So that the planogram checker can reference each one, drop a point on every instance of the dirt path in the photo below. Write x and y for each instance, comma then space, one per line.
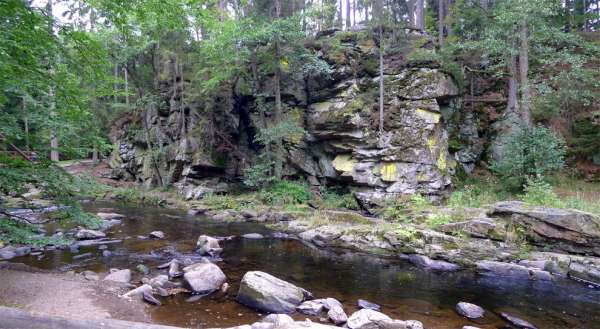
65, 295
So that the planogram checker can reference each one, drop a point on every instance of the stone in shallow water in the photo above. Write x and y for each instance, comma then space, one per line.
337, 315
157, 235
519, 323
437, 265
469, 310
85, 234
310, 308
368, 305
366, 318
109, 216
149, 298
267, 293
208, 246
253, 236
204, 278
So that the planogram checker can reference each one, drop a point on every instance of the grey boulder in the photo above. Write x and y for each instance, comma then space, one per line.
262, 291
204, 277
469, 310
366, 319
208, 246
85, 234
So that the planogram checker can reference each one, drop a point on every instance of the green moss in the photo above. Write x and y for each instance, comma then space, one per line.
370, 65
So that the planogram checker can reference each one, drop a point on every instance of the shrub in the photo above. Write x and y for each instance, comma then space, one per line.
258, 176
538, 192
338, 199
286, 192
15, 232
435, 220
531, 152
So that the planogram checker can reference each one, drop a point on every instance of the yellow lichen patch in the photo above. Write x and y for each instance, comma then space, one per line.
389, 172
343, 162
441, 162
421, 177
429, 116
431, 143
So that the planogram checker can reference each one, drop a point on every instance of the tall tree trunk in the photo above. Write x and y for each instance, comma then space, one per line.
126, 87
524, 72
25, 123
512, 104
348, 20
116, 85
354, 11
441, 23
410, 4
420, 13
278, 170
340, 23
381, 49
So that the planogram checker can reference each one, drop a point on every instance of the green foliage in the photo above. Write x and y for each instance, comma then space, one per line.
221, 202
136, 195
539, 192
436, 220
259, 175
286, 193
403, 210
20, 233
74, 215
477, 192
586, 136
333, 199
531, 152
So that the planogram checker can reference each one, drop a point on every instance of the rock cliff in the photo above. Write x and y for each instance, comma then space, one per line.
199, 144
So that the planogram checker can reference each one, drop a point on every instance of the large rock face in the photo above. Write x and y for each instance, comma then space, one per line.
212, 140
267, 293
566, 229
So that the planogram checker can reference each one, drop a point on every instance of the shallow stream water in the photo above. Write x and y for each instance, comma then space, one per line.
404, 291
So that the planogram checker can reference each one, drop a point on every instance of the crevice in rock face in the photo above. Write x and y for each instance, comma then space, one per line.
246, 128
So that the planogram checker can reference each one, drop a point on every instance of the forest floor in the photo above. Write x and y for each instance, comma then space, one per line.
65, 295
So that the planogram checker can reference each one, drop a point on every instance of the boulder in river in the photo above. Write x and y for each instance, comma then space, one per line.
208, 246
366, 318
109, 215
157, 235
278, 320
85, 234
149, 298
204, 277
267, 293
328, 303
337, 315
310, 308
436, 265
255, 236
519, 323
364, 304
138, 292
7, 253
123, 276
469, 310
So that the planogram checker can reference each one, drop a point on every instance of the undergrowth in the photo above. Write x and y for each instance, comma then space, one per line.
20, 233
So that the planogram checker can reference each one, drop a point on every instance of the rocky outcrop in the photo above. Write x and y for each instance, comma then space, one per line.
211, 141
564, 229
267, 293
